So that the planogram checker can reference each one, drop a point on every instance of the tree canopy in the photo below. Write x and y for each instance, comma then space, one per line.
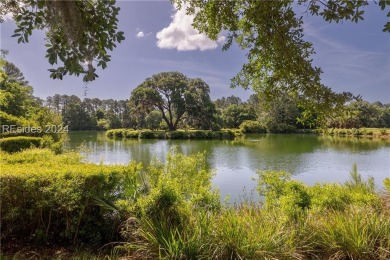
279, 59
79, 34
177, 97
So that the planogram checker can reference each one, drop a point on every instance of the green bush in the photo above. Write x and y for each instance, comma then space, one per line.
280, 128
18, 143
179, 134
356, 132
198, 134
250, 126
130, 133
292, 197
148, 134
53, 198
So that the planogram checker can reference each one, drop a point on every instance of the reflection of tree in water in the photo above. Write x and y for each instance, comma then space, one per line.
294, 153
353, 144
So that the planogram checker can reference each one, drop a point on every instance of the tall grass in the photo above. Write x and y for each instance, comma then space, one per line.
356, 233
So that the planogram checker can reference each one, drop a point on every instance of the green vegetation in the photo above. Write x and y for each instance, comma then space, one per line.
24, 121
55, 198
19, 143
169, 210
177, 98
362, 132
178, 134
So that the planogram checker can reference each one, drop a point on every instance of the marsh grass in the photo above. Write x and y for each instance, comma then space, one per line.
356, 233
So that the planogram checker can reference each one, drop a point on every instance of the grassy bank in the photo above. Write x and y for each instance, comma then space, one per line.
57, 206
178, 134
357, 132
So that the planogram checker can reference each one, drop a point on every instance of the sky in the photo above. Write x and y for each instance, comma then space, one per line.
354, 57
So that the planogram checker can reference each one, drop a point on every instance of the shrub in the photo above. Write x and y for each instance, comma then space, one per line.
280, 128
198, 134
179, 134
383, 132
293, 197
341, 132
356, 132
146, 134
130, 133
150, 134
52, 198
250, 126
18, 143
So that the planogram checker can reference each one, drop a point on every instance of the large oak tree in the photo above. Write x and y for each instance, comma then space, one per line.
177, 97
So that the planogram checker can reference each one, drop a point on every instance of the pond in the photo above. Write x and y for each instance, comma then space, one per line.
310, 158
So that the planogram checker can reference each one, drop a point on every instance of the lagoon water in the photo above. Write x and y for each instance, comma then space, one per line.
310, 158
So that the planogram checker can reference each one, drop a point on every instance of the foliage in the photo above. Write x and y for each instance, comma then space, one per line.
294, 198
361, 113
173, 212
18, 143
178, 187
176, 97
14, 74
250, 126
8, 120
279, 59
178, 134
20, 109
386, 183
356, 233
90, 114
77, 32
16, 99
153, 120
234, 115
47, 197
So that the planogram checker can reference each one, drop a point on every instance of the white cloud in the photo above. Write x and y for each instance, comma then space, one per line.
140, 34
8, 17
182, 36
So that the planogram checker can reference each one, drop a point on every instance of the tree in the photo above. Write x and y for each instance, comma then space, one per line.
79, 33
234, 115
279, 59
153, 120
175, 96
14, 74
200, 109
279, 115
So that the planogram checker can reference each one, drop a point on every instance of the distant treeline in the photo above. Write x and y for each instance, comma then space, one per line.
170, 101
230, 112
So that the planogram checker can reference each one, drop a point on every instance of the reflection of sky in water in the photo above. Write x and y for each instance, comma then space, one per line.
310, 158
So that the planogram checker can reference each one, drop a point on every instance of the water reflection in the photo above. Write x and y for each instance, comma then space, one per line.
309, 158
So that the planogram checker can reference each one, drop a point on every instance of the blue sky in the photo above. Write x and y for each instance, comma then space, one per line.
354, 57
